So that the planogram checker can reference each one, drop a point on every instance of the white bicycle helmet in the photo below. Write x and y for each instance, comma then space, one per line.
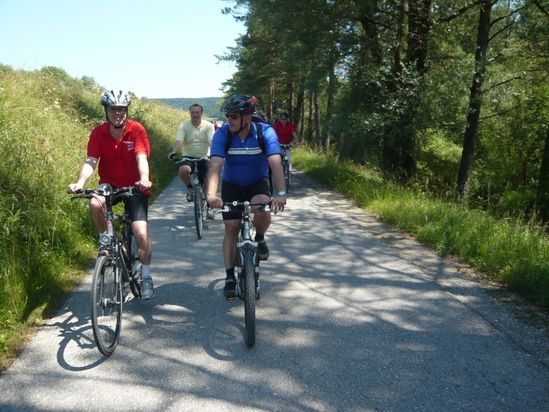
115, 98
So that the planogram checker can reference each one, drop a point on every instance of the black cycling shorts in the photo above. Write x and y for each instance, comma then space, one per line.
137, 206
203, 168
231, 192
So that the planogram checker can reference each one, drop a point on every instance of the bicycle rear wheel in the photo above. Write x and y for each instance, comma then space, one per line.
199, 212
106, 304
248, 295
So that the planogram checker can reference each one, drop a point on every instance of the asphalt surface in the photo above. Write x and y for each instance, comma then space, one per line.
353, 316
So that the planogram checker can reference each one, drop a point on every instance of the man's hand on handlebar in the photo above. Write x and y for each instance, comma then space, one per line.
172, 155
215, 202
144, 184
74, 188
278, 203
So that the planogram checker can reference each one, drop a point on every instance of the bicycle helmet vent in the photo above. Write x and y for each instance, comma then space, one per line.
115, 98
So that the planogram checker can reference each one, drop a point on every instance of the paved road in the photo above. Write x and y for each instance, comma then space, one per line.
353, 317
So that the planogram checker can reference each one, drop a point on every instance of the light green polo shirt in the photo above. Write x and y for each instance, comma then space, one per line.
196, 140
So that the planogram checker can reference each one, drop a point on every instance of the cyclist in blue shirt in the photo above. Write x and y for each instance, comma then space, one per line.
245, 158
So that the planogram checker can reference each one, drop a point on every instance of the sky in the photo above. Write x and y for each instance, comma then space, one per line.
154, 48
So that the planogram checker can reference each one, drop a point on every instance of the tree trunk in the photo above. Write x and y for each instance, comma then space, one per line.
291, 93
310, 120
390, 157
329, 104
316, 122
475, 103
542, 199
271, 99
419, 28
299, 110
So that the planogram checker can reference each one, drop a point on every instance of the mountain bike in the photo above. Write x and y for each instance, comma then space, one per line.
199, 198
286, 164
117, 265
247, 263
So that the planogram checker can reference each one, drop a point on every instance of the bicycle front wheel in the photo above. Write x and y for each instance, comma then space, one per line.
248, 294
199, 212
106, 304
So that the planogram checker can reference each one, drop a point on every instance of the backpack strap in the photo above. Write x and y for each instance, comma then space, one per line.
260, 138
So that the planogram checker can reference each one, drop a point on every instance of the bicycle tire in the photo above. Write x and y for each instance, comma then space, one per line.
248, 295
198, 212
106, 304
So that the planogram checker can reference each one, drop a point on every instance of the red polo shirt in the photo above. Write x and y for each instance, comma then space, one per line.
284, 133
117, 158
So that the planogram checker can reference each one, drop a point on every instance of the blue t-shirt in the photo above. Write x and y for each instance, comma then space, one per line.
245, 162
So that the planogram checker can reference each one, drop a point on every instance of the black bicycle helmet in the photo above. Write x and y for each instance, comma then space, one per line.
239, 103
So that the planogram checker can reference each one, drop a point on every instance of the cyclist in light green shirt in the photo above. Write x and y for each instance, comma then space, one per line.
194, 137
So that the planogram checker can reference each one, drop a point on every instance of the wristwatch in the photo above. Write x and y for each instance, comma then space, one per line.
281, 193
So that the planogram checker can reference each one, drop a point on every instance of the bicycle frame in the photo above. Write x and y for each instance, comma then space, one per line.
121, 247
245, 245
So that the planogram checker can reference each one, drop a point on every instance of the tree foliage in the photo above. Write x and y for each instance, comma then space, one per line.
381, 81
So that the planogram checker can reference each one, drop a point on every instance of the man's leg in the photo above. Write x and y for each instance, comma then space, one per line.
97, 212
262, 219
185, 176
138, 209
229, 248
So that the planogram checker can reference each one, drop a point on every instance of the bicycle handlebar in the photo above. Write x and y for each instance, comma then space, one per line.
239, 206
127, 191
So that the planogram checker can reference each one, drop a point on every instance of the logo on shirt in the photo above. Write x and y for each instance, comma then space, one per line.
129, 145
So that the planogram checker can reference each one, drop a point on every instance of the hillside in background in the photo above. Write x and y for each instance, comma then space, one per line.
211, 104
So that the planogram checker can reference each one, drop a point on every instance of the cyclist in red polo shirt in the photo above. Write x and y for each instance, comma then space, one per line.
285, 130
121, 147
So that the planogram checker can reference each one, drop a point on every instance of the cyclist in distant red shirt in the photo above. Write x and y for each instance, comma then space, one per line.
285, 130
121, 147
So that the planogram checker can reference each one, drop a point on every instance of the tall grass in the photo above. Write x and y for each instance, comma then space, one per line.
513, 253
46, 240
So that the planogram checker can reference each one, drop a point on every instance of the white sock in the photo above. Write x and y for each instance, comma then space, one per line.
146, 274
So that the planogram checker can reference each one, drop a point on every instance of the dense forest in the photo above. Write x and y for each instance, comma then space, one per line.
451, 97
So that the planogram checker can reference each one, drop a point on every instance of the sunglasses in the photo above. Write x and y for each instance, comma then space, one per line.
232, 116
